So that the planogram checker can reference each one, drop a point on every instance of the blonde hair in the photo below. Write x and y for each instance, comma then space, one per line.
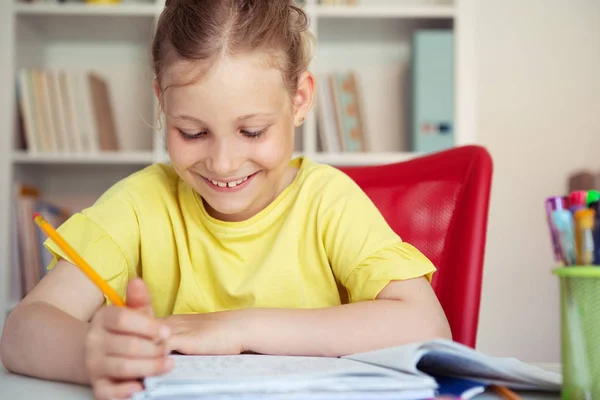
204, 30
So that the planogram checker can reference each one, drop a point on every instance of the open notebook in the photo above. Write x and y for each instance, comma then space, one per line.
405, 372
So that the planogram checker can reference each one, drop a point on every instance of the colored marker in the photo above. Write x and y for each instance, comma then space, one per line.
552, 204
576, 207
578, 197
593, 196
596, 207
563, 221
584, 236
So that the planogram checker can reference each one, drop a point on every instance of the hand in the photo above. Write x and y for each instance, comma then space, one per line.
125, 344
218, 333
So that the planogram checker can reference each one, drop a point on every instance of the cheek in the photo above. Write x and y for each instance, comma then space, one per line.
276, 150
182, 154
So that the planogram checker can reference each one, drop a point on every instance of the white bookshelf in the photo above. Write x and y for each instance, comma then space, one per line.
390, 11
115, 41
78, 9
99, 158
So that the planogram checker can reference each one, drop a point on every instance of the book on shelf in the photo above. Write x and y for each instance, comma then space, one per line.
65, 111
29, 256
340, 121
363, 109
413, 371
338, 2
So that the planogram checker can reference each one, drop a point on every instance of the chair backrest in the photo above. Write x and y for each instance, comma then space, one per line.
439, 203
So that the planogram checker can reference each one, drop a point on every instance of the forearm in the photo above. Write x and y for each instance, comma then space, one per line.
42, 341
341, 330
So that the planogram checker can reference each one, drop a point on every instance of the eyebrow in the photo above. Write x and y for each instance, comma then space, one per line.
242, 118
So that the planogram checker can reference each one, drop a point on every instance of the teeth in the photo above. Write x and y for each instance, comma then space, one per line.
229, 184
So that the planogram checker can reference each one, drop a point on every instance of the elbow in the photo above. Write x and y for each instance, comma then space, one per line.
441, 330
438, 325
7, 347
434, 326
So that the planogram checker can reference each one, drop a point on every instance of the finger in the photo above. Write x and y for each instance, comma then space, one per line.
105, 389
132, 368
138, 297
133, 346
131, 322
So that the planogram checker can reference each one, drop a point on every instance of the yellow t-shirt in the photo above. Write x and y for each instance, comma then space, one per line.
321, 243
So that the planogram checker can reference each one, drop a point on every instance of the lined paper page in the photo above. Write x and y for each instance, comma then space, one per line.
278, 374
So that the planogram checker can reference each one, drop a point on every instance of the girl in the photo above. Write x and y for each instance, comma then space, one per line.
241, 248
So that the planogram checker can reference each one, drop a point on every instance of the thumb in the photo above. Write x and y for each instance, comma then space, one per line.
138, 297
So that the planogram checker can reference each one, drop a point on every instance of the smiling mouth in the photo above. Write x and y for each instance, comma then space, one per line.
229, 185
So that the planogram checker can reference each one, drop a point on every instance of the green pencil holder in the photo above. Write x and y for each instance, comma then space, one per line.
580, 331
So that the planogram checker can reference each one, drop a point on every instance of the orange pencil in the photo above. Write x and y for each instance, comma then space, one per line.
78, 260
505, 392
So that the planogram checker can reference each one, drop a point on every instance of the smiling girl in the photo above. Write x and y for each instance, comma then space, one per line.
239, 246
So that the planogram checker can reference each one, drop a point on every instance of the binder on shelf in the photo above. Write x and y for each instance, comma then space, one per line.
433, 91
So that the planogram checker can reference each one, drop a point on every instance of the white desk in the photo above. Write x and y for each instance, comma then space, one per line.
24, 388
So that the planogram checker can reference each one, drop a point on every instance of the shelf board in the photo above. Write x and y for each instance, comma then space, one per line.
66, 9
346, 159
396, 11
358, 159
115, 158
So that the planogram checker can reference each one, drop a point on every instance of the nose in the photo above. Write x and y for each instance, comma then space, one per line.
222, 160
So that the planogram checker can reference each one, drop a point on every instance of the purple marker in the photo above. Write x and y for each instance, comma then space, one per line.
576, 207
552, 204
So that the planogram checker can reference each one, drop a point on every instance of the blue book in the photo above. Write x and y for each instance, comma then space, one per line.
459, 387
433, 91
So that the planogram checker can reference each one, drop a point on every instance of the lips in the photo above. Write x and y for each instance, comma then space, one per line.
231, 185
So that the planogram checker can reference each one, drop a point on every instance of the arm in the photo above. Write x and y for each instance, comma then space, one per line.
405, 311
48, 336
44, 335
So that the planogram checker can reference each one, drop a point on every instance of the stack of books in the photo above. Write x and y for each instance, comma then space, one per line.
29, 256
341, 123
65, 112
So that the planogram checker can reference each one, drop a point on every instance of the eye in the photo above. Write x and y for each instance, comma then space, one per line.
254, 134
192, 136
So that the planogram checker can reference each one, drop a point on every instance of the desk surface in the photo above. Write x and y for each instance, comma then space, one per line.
24, 388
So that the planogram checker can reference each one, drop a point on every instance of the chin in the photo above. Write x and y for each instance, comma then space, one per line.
229, 212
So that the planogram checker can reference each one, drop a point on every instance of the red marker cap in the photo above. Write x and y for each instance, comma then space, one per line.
578, 197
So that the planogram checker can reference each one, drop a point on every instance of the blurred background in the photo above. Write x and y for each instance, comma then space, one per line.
396, 79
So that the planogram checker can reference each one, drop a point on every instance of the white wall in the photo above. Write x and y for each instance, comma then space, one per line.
539, 115
6, 113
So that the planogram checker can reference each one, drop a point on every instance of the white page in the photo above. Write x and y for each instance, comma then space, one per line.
447, 357
385, 395
268, 374
250, 366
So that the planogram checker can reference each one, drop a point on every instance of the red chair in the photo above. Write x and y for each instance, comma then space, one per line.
439, 203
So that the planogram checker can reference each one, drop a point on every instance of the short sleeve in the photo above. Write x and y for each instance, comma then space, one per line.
364, 252
106, 236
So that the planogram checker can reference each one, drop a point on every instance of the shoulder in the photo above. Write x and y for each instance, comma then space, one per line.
140, 194
327, 184
156, 180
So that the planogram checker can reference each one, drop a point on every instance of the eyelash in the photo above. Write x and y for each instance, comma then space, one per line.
199, 135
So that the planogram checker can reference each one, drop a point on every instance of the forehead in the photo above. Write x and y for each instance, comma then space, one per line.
231, 80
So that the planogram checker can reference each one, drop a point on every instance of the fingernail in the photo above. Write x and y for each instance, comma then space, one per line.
165, 332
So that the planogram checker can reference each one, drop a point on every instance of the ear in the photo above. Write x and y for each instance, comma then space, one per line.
158, 93
304, 98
